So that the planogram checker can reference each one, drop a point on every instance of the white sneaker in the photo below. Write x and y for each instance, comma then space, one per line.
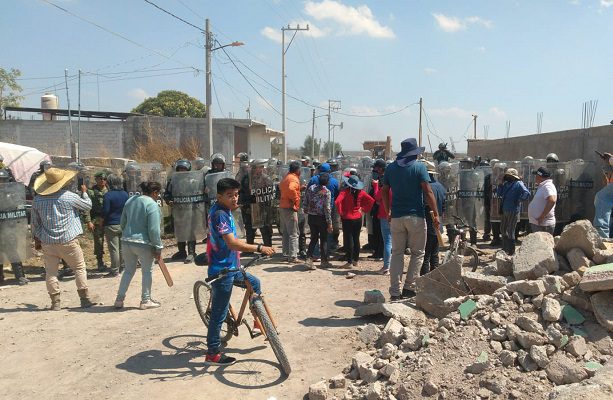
309, 263
145, 305
118, 304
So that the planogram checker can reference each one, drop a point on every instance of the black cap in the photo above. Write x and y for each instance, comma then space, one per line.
379, 163
542, 172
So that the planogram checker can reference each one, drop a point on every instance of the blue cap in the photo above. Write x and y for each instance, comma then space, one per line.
325, 167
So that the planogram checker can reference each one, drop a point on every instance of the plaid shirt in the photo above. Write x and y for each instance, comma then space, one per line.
55, 218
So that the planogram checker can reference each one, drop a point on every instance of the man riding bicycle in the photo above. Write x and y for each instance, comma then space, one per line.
223, 249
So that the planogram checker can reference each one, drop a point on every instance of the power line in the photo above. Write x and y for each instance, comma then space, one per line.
174, 16
190, 9
217, 98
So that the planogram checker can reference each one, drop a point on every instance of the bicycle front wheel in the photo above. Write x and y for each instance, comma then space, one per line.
271, 334
202, 298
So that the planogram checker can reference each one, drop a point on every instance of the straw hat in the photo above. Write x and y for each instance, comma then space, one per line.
513, 173
53, 180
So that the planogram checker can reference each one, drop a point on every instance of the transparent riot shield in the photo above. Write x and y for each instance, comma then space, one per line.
448, 177
582, 184
305, 175
469, 204
188, 208
132, 179
85, 176
263, 191
282, 170
561, 180
498, 170
528, 166
210, 182
14, 237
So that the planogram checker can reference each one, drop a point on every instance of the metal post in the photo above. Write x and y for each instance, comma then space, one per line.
73, 154
79, 120
209, 111
313, 138
283, 95
329, 135
475, 126
420, 109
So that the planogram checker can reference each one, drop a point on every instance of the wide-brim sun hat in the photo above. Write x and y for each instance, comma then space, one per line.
53, 180
512, 172
410, 148
353, 181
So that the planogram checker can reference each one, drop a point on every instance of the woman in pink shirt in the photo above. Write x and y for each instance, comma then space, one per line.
350, 203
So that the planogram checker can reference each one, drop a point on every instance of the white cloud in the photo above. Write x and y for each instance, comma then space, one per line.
481, 49
454, 24
498, 113
348, 20
138, 94
429, 70
272, 34
454, 112
606, 3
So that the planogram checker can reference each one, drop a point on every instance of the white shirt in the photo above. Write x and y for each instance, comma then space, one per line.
537, 205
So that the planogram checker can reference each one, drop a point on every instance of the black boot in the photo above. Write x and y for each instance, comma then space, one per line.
19, 275
511, 247
191, 252
101, 265
181, 254
473, 236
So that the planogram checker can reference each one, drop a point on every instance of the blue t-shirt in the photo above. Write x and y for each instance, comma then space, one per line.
440, 194
406, 186
219, 254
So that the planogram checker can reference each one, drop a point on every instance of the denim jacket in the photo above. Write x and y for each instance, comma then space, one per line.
512, 193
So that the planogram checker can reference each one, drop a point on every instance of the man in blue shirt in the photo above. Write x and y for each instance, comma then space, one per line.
223, 249
432, 244
410, 184
512, 191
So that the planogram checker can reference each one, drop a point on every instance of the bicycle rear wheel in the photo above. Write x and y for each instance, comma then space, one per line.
202, 298
271, 334
473, 256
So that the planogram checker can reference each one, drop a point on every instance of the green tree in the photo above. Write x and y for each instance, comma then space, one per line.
306, 147
328, 147
10, 91
172, 103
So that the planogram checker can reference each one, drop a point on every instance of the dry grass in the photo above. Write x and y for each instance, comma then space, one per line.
161, 146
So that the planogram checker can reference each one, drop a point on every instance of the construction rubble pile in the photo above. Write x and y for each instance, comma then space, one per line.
537, 325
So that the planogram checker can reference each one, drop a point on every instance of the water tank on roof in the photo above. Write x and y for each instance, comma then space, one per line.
50, 102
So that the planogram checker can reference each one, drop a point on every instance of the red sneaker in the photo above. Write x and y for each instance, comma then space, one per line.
219, 359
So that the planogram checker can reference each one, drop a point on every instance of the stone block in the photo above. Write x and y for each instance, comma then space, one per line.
318, 391
483, 284
580, 234
602, 305
392, 333
535, 257
360, 358
405, 312
370, 334
577, 259
527, 287
553, 284
597, 278
539, 355
529, 324
572, 278
529, 339
504, 264
562, 370
373, 296
507, 358
576, 346
526, 362
552, 310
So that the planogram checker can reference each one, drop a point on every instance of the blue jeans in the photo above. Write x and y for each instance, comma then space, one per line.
387, 242
220, 303
131, 253
603, 202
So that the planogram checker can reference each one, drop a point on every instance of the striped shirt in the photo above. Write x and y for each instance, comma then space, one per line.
55, 217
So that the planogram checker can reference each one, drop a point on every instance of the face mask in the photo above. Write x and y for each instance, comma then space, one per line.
375, 175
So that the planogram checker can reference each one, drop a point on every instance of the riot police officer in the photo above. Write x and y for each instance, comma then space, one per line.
442, 154
94, 218
255, 198
13, 226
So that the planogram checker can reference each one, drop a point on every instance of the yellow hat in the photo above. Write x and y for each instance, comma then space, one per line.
53, 180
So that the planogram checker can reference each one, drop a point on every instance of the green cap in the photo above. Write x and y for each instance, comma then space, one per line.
100, 174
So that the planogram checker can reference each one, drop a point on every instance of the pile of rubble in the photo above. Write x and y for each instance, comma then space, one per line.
535, 325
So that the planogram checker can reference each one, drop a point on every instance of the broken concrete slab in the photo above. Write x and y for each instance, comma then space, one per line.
572, 316
392, 333
437, 286
603, 310
404, 312
535, 257
580, 234
577, 259
600, 386
504, 263
483, 284
527, 287
597, 278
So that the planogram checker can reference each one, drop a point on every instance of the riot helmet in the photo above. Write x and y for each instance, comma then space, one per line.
552, 158
77, 166
466, 163
493, 161
243, 157
183, 164
527, 159
217, 159
44, 165
199, 163
484, 163
442, 146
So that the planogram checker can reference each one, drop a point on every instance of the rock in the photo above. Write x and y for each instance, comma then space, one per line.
504, 263
373, 296
555, 337
562, 370
539, 355
350, 275
572, 316
515, 394
467, 309
538, 300
572, 278
603, 311
480, 364
600, 386
429, 389
597, 278
483, 393
443, 283
367, 374
496, 346
495, 385
495, 318
388, 351
553, 284
526, 287
388, 370
529, 339
580, 234
404, 312
338, 381
370, 334
576, 346
360, 358
498, 334
577, 298
603, 256
552, 310
318, 391
507, 358
412, 339
513, 331
526, 362
447, 323
577, 259
483, 284
528, 324
563, 264
375, 392
379, 362
392, 333
535, 257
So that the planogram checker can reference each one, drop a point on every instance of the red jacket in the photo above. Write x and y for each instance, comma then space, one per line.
349, 209
379, 199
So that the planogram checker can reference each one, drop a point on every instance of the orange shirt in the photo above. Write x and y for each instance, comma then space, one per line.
290, 192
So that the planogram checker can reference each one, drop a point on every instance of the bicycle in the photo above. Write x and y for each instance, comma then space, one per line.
257, 306
460, 244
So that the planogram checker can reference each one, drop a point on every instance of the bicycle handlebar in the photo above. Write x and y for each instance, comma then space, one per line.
226, 271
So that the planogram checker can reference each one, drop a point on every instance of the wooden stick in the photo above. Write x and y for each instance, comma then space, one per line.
165, 272
438, 231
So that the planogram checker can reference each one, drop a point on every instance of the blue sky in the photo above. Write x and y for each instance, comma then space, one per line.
502, 60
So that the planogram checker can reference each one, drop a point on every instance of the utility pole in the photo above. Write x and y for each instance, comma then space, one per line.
313, 138
209, 113
79, 120
475, 126
73, 151
421, 104
333, 139
333, 105
283, 51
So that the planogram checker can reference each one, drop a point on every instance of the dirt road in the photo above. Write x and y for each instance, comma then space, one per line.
100, 353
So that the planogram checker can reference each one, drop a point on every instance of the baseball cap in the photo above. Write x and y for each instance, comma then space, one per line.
542, 172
